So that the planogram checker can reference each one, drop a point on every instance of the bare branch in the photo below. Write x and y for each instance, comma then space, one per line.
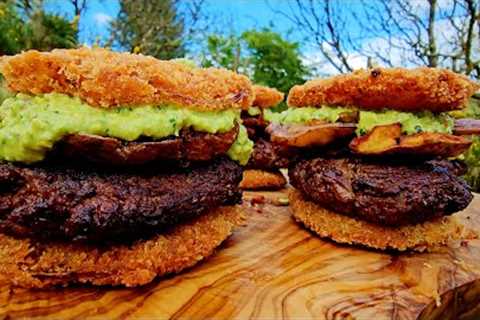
395, 32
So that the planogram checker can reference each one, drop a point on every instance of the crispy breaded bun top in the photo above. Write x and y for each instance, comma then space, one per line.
419, 89
266, 97
108, 79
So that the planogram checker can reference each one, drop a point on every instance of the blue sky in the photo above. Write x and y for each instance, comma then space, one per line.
233, 16
237, 15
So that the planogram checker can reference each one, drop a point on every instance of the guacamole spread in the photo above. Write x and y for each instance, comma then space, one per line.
31, 125
411, 122
424, 121
304, 114
254, 111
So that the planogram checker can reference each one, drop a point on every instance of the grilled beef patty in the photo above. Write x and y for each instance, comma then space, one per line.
269, 156
388, 194
95, 204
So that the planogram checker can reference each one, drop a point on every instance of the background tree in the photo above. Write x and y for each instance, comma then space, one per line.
12, 39
264, 56
25, 25
225, 52
159, 28
46, 31
397, 32
79, 6
275, 61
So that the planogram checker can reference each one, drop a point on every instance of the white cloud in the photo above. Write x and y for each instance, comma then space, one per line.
315, 60
396, 50
102, 18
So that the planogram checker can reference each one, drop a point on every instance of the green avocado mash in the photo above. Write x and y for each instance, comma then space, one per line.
301, 115
242, 147
424, 121
411, 122
254, 111
31, 125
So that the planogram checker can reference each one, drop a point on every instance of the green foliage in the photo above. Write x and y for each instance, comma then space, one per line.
47, 31
224, 52
4, 92
149, 27
276, 62
472, 157
11, 29
35, 30
264, 56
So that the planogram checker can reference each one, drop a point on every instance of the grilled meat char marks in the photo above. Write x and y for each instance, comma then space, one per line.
269, 156
385, 194
84, 204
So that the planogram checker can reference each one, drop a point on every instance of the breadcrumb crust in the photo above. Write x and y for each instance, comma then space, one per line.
402, 89
31, 264
344, 229
266, 97
262, 180
107, 79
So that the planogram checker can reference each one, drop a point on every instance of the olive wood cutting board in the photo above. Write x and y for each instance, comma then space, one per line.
272, 268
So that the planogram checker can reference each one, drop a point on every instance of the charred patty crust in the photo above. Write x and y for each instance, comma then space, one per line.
269, 156
384, 194
91, 204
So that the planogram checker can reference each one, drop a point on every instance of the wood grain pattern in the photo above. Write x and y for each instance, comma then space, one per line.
273, 268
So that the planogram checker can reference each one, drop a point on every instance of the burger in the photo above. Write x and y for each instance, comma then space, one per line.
263, 168
375, 167
116, 168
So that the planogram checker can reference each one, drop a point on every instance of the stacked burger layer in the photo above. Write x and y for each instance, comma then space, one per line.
376, 146
116, 167
263, 168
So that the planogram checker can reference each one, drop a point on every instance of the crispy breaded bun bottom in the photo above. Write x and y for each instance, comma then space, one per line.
344, 229
27, 263
262, 180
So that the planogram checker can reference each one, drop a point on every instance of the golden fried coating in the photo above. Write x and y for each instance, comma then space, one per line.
344, 229
30, 264
402, 89
107, 79
266, 97
262, 180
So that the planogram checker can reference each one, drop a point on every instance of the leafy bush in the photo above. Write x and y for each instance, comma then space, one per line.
472, 157
36, 30
4, 92
264, 56
12, 29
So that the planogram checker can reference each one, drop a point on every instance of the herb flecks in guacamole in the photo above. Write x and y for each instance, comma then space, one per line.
305, 114
31, 125
411, 122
